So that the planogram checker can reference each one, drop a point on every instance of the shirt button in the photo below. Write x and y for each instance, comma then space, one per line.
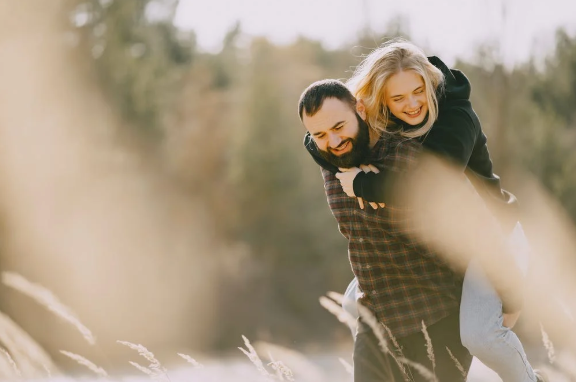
373, 292
361, 240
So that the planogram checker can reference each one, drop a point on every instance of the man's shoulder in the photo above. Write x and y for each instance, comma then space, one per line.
330, 180
392, 145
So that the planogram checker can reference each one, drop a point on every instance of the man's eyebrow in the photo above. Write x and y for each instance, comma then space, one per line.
335, 125
401, 95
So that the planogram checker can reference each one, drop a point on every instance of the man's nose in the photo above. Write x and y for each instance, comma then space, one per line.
335, 140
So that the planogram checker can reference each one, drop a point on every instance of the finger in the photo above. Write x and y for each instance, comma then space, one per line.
382, 205
361, 203
364, 168
373, 168
344, 169
373, 205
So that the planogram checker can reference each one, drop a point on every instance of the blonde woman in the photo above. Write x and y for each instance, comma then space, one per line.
407, 94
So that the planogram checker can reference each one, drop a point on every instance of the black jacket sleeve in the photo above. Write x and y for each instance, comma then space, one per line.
453, 137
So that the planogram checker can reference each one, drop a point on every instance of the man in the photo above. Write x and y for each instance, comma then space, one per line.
404, 283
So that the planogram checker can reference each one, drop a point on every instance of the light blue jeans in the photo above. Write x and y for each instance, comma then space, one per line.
481, 327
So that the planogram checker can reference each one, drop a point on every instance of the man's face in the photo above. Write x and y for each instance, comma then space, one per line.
340, 133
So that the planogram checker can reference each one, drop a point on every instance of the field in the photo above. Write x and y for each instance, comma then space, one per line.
24, 359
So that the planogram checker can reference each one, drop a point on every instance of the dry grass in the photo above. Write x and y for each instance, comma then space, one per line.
349, 368
11, 362
377, 327
281, 372
429, 347
24, 358
22, 354
32, 361
154, 370
85, 362
457, 363
548, 345
191, 360
48, 300
424, 371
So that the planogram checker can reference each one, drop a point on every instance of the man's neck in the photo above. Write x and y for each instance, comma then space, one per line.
374, 137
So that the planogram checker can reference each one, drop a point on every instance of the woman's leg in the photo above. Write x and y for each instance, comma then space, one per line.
482, 331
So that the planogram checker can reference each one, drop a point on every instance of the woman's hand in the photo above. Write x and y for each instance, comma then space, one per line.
346, 178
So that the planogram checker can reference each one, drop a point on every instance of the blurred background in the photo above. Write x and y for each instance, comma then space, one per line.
152, 173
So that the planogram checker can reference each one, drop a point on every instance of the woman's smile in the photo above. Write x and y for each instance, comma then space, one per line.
415, 113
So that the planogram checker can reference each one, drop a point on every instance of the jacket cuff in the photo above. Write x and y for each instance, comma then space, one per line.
358, 184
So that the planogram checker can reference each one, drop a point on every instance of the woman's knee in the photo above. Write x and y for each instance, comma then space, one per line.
480, 340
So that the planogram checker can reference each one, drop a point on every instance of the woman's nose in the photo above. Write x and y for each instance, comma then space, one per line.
412, 102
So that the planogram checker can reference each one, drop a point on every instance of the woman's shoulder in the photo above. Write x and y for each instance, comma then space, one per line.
457, 113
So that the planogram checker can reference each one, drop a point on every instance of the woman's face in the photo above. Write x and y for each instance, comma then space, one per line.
406, 97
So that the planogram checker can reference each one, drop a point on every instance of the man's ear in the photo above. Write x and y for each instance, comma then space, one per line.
361, 109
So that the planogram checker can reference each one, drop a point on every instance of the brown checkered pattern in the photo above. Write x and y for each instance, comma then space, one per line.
403, 281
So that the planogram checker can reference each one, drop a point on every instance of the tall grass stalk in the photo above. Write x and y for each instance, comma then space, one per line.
47, 299
377, 328
429, 347
342, 315
254, 357
11, 362
155, 370
85, 362
282, 371
349, 368
31, 359
191, 361
548, 345
457, 363
424, 371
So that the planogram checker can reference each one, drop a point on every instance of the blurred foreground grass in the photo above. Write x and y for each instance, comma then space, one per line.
24, 359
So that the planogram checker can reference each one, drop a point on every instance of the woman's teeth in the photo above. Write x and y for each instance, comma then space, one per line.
414, 112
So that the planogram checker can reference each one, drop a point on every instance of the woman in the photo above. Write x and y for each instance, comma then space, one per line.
406, 93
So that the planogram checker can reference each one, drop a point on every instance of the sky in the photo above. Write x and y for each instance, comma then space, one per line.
447, 28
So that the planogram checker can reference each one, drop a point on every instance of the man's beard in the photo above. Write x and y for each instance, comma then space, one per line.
358, 153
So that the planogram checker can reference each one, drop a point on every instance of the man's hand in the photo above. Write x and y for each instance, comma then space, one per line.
346, 178
510, 319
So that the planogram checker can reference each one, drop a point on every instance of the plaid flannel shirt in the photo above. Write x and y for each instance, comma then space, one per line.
403, 281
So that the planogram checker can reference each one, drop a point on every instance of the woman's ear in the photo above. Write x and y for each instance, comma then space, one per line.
361, 109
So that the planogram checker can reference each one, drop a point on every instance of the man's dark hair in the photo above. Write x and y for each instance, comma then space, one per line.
313, 97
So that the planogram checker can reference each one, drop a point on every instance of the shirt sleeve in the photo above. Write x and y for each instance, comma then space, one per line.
452, 137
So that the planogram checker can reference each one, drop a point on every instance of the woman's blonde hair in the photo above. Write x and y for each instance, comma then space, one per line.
369, 80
